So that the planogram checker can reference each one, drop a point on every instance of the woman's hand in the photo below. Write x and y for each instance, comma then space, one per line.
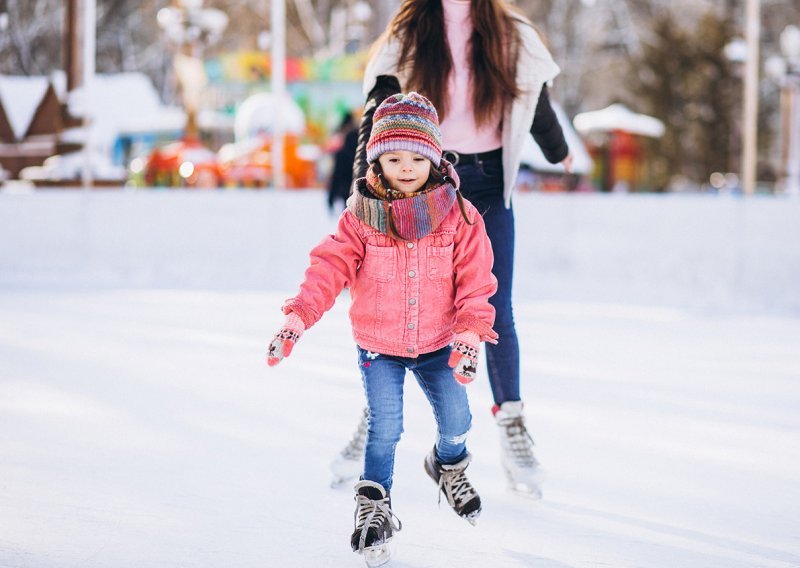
567, 163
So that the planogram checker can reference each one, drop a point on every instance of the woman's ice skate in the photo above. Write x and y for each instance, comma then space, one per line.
348, 465
516, 445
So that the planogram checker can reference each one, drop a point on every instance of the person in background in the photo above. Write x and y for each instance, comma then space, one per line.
342, 175
485, 68
418, 262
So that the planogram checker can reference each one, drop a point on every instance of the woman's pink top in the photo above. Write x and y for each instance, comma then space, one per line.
459, 131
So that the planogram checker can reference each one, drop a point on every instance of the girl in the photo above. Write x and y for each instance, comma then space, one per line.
418, 263
485, 68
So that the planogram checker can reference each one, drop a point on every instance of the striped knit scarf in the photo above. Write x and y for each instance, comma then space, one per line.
414, 216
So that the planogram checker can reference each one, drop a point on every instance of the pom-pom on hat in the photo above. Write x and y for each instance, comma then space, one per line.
405, 122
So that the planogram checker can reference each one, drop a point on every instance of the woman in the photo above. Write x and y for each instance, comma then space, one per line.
485, 68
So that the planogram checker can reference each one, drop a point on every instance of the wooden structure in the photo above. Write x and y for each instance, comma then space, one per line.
28, 138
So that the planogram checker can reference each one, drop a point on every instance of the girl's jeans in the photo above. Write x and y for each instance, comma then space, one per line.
482, 184
383, 377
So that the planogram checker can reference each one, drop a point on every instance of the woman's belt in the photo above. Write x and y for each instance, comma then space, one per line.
456, 158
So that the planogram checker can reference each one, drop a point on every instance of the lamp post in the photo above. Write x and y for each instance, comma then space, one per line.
89, 55
735, 52
750, 115
278, 84
190, 27
785, 71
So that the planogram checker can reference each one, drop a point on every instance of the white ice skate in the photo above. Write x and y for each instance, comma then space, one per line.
521, 468
348, 465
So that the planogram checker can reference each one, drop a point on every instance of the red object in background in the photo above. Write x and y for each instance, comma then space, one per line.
294, 70
618, 160
249, 164
186, 163
624, 156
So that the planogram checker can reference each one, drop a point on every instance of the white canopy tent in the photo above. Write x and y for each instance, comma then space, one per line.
619, 117
258, 114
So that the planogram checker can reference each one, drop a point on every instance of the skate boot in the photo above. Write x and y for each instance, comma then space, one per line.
347, 466
520, 465
455, 486
374, 523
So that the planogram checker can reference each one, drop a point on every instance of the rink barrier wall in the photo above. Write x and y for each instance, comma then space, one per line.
702, 252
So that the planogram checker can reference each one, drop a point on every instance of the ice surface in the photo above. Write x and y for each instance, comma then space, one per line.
141, 427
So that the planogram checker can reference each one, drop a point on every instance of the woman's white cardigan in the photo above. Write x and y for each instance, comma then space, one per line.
535, 66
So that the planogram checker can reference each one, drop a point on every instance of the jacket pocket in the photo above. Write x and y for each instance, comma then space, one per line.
380, 263
440, 262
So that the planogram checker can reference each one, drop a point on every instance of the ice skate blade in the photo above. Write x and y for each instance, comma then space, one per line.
377, 555
524, 490
529, 487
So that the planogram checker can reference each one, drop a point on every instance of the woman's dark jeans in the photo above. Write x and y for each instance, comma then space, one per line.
482, 184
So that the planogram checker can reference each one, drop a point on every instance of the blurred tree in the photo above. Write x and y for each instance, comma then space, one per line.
28, 44
682, 77
129, 39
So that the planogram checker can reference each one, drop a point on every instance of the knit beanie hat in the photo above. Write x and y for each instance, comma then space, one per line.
405, 122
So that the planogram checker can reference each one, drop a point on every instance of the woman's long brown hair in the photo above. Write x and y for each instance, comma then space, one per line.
420, 27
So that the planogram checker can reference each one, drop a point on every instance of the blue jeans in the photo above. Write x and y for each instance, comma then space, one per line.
384, 376
482, 184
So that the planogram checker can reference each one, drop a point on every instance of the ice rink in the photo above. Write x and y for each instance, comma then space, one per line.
141, 428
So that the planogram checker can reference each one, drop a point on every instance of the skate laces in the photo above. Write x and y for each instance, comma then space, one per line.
373, 514
355, 448
519, 441
456, 487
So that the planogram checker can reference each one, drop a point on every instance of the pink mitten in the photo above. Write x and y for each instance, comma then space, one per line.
283, 341
464, 358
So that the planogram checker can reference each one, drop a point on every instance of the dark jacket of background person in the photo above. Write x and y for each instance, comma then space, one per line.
342, 176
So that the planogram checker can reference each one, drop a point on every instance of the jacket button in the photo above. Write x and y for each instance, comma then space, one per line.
411, 326
412, 301
411, 274
410, 245
410, 349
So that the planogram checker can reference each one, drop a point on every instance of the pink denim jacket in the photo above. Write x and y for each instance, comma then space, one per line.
408, 297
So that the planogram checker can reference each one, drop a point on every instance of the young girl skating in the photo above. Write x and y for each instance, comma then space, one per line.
417, 260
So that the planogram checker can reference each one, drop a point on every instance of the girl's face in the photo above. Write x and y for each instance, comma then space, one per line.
405, 171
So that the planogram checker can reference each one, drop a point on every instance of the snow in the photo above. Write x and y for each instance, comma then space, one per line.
21, 96
143, 429
122, 102
619, 117
70, 166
